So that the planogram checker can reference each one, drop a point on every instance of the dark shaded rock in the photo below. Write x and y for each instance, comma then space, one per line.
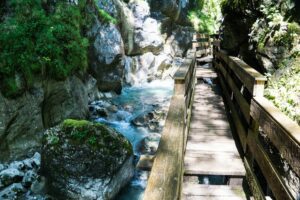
82, 160
21, 124
12, 192
29, 178
10, 175
2, 167
143, 119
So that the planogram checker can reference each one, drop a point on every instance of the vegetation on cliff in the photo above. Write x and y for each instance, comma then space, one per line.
43, 39
38, 41
206, 15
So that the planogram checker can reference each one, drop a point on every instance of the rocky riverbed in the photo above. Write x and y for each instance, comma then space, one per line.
139, 114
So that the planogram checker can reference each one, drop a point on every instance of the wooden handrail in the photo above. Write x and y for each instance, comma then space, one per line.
167, 170
166, 176
254, 118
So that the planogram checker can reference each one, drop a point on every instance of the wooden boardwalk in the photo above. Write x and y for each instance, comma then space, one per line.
210, 148
197, 156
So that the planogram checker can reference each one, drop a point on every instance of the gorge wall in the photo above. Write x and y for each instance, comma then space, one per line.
266, 34
145, 40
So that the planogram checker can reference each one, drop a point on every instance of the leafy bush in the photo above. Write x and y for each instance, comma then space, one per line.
34, 42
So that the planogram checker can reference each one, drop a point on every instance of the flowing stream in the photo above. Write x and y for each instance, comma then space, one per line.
133, 102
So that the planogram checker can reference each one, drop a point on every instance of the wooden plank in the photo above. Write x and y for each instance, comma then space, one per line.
211, 132
243, 104
269, 171
205, 138
212, 163
211, 198
253, 182
205, 73
282, 131
166, 175
145, 162
248, 75
213, 190
217, 124
240, 129
211, 146
209, 116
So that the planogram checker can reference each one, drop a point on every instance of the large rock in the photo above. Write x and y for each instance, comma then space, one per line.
11, 175
141, 33
106, 55
179, 41
23, 119
21, 124
84, 160
65, 99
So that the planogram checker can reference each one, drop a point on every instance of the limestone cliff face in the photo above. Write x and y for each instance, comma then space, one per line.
151, 35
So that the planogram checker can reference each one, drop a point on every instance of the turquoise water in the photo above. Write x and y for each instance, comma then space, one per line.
132, 102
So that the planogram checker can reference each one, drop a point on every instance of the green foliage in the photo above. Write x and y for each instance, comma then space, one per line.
275, 28
206, 16
34, 42
53, 139
105, 16
92, 140
284, 90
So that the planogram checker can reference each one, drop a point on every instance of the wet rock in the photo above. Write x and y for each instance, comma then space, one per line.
2, 167
36, 160
149, 144
143, 119
39, 186
29, 178
12, 192
17, 165
10, 175
95, 161
112, 108
101, 112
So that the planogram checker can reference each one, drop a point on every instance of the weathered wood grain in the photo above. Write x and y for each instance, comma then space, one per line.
252, 79
269, 171
282, 131
253, 182
166, 175
243, 104
240, 129
213, 191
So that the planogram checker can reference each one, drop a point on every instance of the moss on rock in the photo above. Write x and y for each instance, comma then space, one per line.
82, 148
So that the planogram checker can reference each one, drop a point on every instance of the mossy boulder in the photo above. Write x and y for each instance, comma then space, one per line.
85, 160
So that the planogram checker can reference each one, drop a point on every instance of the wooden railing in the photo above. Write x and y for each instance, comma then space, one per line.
167, 171
202, 44
268, 138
